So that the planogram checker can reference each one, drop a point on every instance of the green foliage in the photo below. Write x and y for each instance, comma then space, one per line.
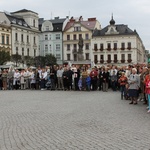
16, 58
4, 57
50, 60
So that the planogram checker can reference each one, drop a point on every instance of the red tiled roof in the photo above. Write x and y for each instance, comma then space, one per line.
88, 24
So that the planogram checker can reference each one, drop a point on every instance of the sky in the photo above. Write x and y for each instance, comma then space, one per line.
134, 13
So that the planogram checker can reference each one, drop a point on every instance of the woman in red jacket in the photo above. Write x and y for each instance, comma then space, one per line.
147, 90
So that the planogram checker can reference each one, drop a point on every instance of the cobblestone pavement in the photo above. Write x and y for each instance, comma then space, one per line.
64, 120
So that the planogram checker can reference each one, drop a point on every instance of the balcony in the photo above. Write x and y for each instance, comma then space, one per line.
101, 49
108, 61
129, 48
122, 48
109, 49
95, 49
95, 61
122, 61
115, 48
129, 60
115, 61
102, 61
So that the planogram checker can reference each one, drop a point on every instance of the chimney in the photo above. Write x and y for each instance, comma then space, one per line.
81, 18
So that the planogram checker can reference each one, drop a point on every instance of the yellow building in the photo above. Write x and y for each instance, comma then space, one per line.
5, 37
75, 29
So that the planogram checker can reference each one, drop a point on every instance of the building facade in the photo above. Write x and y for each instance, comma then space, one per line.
51, 37
74, 30
5, 36
117, 44
24, 32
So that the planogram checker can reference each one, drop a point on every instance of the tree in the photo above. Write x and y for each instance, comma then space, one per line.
4, 57
28, 60
50, 59
16, 58
39, 61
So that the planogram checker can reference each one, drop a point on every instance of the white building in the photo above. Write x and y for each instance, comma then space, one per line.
51, 37
24, 31
117, 44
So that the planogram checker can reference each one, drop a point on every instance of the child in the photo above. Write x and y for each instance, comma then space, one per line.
80, 83
88, 83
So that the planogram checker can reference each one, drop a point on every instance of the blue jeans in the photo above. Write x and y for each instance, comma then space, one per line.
148, 101
123, 90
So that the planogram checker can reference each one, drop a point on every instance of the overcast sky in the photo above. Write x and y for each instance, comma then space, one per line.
134, 13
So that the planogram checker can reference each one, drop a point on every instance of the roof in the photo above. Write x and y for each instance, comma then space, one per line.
24, 10
57, 23
17, 21
88, 24
121, 28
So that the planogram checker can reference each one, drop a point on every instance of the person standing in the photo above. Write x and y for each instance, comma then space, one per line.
134, 84
16, 79
93, 76
105, 80
43, 78
123, 81
147, 90
22, 80
4, 79
113, 79
59, 77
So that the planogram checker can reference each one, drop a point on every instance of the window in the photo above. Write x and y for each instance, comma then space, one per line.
34, 39
47, 28
68, 47
95, 46
108, 46
68, 56
77, 28
74, 37
101, 57
80, 36
86, 36
75, 57
33, 22
129, 56
46, 48
21, 37
95, 59
57, 36
3, 39
27, 38
68, 37
109, 57
75, 46
46, 37
50, 36
28, 52
58, 56
122, 56
50, 47
22, 51
16, 36
87, 46
7, 40
34, 52
115, 46
129, 45
122, 46
115, 58
16, 50
87, 56
57, 47
101, 47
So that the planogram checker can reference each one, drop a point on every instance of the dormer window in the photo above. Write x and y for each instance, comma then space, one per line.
77, 28
14, 21
47, 28
20, 22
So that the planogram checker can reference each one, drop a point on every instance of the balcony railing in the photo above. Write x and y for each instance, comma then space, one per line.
101, 49
109, 49
95, 61
129, 48
101, 61
95, 49
108, 61
122, 61
115, 61
122, 48
129, 60
115, 48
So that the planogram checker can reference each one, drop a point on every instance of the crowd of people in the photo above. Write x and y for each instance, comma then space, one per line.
133, 81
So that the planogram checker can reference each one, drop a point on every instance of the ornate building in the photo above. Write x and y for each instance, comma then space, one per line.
24, 31
117, 44
5, 36
51, 37
74, 30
